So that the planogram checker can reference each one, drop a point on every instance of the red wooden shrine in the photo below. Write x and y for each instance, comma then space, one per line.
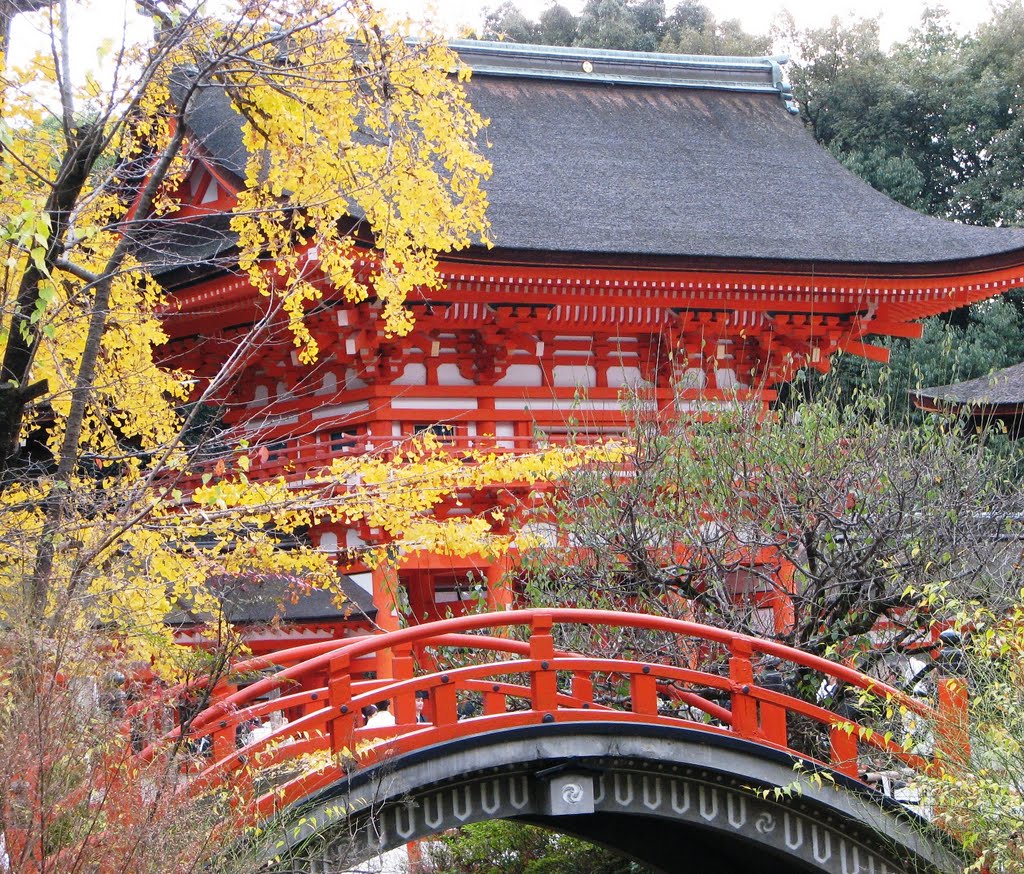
661, 223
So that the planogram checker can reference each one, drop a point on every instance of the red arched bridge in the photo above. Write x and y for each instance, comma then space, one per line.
703, 758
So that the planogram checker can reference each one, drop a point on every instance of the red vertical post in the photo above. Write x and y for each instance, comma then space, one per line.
223, 740
499, 584
954, 740
543, 680
224, 734
644, 693
445, 704
402, 669
843, 748
415, 854
741, 672
341, 723
773, 724
782, 607
494, 701
385, 599
582, 688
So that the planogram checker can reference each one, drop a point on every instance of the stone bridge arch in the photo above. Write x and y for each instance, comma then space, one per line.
675, 799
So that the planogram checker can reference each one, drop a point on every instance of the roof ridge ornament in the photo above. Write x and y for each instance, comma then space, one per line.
719, 72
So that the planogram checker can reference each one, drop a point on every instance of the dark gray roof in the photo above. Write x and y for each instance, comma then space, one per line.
214, 121
167, 243
619, 153
1002, 388
701, 169
263, 599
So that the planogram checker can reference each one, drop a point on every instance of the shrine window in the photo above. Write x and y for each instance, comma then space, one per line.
344, 441
443, 432
276, 451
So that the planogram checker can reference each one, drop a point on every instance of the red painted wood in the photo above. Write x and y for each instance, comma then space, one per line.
326, 718
954, 742
741, 673
843, 748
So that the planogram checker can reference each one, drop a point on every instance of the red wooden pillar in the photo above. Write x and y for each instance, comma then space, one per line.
385, 599
741, 672
499, 583
843, 749
341, 722
415, 855
783, 606
954, 741
404, 705
543, 682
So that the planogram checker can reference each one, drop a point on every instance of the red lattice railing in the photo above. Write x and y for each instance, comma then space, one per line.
509, 663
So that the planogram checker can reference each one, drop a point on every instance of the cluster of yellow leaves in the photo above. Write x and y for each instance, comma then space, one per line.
359, 126
979, 799
345, 122
151, 550
400, 495
362, 145
132, 398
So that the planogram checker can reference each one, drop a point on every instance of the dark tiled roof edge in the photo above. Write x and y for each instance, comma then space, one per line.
257, 602
1002, 387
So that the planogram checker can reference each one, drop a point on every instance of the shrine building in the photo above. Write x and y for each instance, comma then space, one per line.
660, 222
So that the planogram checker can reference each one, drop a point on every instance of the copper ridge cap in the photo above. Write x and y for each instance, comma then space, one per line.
611, 66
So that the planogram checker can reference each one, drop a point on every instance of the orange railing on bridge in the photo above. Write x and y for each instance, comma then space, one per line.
528, 680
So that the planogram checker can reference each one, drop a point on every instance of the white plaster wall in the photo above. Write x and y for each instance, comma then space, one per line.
522, 375
574, 375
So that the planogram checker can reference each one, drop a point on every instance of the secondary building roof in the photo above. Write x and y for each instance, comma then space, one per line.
1001, 392
263, 600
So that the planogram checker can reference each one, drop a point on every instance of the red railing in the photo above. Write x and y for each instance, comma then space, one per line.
301, 458
322, 688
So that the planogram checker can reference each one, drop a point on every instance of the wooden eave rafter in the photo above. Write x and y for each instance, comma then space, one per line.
975, 409
803, 318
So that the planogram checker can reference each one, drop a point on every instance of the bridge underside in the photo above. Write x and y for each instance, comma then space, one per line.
669, 798
670, 846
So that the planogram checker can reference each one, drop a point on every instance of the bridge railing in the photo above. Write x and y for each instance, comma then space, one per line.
510, 664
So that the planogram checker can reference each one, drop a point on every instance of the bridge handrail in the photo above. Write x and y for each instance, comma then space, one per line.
327, 718
372, 644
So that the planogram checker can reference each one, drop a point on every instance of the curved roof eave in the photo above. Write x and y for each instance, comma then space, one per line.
659, 262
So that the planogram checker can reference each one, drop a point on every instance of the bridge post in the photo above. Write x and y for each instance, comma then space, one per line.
842, 739
582, 687
741, 672
773, 724
386, 585
543, 682
953, 742
224, 735
494, 701
445, 703
341, 725
643, 689
402, 669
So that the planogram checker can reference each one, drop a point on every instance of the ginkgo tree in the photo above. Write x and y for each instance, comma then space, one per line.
358, 141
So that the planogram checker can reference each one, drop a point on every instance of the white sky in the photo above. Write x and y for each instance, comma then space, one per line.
898, 16
105, 18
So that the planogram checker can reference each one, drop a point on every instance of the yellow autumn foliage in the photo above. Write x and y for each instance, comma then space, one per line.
354, 134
